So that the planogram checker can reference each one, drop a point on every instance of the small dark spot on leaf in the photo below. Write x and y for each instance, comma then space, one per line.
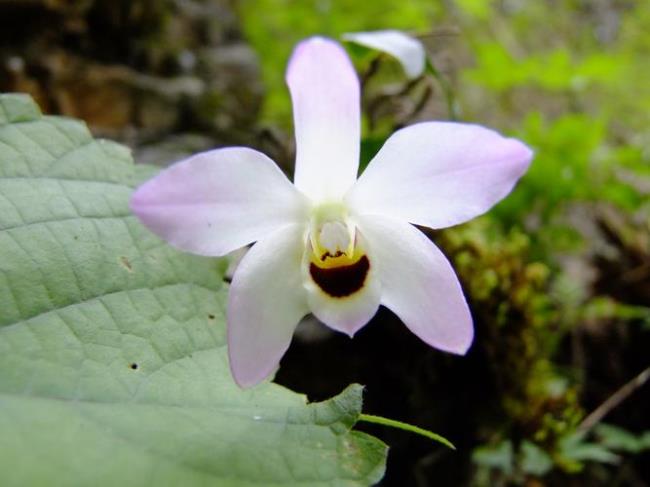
76, 237
134, 366
126, 264
211, 317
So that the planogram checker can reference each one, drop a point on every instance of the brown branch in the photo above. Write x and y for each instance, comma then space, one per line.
614, 401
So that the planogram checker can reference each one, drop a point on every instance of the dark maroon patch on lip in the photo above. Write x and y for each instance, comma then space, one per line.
343, 281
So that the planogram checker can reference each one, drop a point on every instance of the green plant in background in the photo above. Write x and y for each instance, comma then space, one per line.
575, 97
568, 86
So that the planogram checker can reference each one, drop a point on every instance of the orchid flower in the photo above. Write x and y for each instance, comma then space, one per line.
332, 244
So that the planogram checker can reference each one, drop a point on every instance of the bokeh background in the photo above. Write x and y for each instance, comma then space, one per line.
553, 391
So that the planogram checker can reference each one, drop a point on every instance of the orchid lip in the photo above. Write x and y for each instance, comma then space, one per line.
341, 281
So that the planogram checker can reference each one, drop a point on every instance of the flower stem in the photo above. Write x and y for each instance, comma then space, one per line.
370, 418
447, 90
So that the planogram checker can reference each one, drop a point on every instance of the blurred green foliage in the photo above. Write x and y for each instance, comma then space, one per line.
571, 86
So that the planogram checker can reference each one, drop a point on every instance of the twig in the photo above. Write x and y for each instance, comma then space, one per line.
373, 67
613, 401
447, 89
448, 31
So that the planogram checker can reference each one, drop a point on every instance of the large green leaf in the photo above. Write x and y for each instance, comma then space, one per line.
113, 368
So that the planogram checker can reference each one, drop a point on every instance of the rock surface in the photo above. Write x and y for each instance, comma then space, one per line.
134, 70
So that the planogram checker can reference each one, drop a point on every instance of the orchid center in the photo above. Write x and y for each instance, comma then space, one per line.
337, 263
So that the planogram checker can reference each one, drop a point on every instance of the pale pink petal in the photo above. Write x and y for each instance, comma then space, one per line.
218, 201
418, 284
439, 174
326, 110
265, 303
408, 50
350, 313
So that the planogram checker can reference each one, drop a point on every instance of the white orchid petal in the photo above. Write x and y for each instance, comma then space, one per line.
408, 50
418, 284
345, 315
218, 201
265, 304
325, 93
439, 174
